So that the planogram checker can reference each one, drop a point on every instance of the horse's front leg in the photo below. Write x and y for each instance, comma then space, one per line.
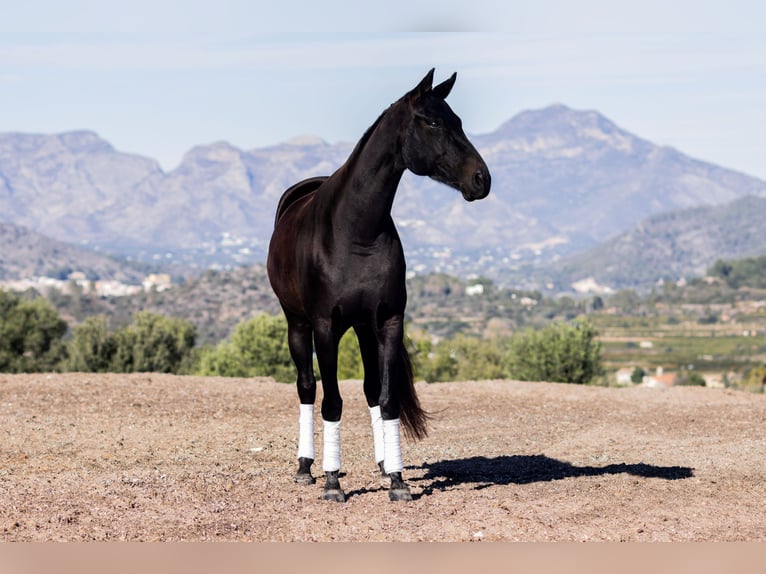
326, 341
391, 367
299, 338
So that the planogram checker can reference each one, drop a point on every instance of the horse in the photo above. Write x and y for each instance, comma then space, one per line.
335, 262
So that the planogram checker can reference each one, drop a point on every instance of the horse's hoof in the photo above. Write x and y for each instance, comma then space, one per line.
303, 474
306, 479
400, 494
399, 489
334, 495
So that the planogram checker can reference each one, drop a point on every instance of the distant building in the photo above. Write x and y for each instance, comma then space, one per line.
624, 376
473, 290
659, 380
158, 281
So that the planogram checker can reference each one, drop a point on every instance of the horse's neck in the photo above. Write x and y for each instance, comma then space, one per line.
369, 180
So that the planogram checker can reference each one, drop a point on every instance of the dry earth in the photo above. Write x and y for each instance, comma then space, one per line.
158, 457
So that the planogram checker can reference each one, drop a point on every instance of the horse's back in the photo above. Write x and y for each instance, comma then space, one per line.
295, 192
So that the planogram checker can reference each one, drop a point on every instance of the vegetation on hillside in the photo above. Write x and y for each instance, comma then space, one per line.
472, 329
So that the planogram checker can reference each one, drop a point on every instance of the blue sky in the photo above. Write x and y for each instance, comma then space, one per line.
156, 78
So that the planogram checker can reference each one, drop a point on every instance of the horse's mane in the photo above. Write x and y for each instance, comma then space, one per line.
368, 133
307, 186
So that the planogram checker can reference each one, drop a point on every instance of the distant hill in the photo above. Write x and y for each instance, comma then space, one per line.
26, 254
563, 181
672, 245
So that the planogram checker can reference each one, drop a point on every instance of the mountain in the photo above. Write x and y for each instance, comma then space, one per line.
586, 179
25, 253
563, 181
673, 245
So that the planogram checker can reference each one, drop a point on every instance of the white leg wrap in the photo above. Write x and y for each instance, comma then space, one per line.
392, 461
377, 433
306, 432
331, 458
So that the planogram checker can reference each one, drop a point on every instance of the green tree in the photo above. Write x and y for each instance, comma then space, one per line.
690, 378
755, 379
223, 360
562, 352
92, 347
258, 347
350, 364
31, 335
262, 343
440, 363
153, 343
637, 376
747, 272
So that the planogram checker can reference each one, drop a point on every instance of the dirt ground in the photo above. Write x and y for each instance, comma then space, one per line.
163, 458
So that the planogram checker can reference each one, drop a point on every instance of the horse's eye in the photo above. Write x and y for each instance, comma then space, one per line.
431, 123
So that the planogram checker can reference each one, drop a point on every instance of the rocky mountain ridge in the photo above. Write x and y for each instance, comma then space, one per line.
563, 181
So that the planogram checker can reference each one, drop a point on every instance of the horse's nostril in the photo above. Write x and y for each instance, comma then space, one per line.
481, 180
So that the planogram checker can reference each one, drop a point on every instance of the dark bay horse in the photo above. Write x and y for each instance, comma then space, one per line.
336, 262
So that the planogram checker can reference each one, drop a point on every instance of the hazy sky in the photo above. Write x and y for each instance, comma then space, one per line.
156, 78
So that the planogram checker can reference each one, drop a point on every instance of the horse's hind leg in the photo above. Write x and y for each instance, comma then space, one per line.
390, 334
299, 337
368, 347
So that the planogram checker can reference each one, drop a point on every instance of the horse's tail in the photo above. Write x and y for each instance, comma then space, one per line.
414, 418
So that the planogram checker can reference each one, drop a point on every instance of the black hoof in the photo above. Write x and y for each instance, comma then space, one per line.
334, 495
304, 479
332, 489
400, 495
399, 490
303, 476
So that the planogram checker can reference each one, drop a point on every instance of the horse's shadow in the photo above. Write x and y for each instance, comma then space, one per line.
526, 469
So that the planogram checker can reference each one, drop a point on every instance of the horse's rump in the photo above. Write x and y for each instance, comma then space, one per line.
295, 192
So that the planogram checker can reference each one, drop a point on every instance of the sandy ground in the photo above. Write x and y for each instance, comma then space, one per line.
155, 457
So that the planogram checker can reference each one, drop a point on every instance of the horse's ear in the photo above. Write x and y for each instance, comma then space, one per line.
424, 85
443, 89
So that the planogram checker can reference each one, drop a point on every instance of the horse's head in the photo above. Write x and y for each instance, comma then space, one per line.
435, 145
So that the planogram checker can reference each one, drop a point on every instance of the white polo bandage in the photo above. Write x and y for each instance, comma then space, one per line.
392, 461
306, 432
331, 458
376, 420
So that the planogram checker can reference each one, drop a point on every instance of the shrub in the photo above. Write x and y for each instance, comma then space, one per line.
350, 364
92, 347
257, 348
153, 343
566, 353
31, 335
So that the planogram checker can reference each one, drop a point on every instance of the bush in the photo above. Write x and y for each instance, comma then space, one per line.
637, 376
755, 379
566, 353
91, 348
257, 348
437, 364
464, 358
31, 335
350, 364
153, 343
690, 379
224, 360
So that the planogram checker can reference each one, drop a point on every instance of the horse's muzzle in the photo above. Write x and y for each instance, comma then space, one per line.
479, 186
